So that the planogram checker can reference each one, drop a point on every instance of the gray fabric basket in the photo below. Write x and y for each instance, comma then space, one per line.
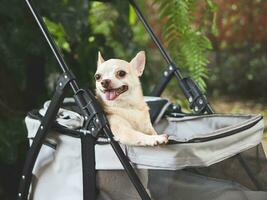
199, 141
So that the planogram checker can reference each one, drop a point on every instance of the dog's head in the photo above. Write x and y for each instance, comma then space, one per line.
118, 80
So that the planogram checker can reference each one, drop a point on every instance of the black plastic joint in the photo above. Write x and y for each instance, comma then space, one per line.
64, 79
87, 101
93, 113
199, 104
197, 100
169, 71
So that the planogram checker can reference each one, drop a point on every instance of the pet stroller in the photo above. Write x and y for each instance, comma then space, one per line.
73, 154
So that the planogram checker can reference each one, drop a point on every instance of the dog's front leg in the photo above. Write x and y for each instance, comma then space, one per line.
125, 134
150, 129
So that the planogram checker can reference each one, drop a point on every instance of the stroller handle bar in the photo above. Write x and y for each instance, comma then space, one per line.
153, 36
57, 53
197, 100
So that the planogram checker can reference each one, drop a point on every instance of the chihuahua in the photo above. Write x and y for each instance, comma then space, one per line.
118, 89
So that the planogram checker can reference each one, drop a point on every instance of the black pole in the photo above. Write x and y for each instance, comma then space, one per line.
151, 33
51, 42
172, 70
127, 166
153, 36
88, 166
38, 140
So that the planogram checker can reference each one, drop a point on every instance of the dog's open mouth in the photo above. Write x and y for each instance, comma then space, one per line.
113, 93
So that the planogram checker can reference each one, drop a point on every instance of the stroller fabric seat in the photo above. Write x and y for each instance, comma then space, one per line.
195, 141
200, 141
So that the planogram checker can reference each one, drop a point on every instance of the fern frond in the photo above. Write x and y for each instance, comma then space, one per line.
187, 45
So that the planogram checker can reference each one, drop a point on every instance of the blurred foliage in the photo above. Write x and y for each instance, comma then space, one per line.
239, 60
81, 28
185, 36
10, 140
240, 75
58, 31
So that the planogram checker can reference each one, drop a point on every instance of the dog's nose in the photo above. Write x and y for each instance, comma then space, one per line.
105, 83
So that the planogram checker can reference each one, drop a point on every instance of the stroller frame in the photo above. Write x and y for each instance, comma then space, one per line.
95, 119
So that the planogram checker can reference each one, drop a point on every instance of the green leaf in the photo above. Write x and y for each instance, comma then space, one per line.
188, 45
132, 16
57, 30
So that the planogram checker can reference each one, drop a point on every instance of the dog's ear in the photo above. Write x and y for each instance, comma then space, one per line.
138, 62
100, 59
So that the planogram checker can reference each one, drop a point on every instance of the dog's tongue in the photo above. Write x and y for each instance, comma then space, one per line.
110, 95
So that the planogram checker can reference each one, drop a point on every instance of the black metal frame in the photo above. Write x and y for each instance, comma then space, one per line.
95, 119
197, 100
95, 122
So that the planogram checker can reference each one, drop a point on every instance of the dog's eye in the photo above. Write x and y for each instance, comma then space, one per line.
121, 73
97, 77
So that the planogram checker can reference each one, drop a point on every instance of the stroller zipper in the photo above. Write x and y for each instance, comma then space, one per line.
228, 133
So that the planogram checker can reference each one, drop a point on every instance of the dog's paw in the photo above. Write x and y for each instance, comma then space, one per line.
157, 139
164, 139
116, 139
